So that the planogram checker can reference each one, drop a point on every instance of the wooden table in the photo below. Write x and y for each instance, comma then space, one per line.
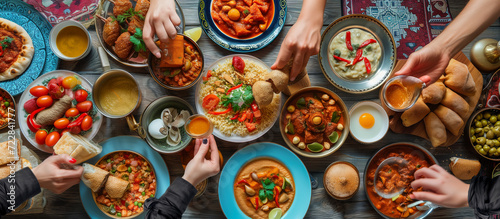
68, 204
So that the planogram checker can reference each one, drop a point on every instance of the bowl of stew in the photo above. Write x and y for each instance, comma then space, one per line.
417, 157
7, 108
179, 78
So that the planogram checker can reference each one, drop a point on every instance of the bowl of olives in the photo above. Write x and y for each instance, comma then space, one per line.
484, 133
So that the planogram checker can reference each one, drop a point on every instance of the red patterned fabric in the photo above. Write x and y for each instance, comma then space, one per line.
413, 23
59, 10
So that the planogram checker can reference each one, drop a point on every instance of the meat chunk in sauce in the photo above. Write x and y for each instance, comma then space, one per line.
314, 104
311, 137
298, 122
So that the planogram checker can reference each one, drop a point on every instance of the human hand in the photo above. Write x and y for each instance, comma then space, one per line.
301, 42
200, 168
51, 176
162, 20
428, 63
440, 187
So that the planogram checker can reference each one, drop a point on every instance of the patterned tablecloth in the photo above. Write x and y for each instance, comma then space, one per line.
59, 10
413, 23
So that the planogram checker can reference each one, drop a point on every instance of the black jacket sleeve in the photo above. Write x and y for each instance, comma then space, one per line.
484, 196
173, 203
17, 188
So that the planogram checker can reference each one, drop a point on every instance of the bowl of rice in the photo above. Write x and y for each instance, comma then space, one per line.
225, 97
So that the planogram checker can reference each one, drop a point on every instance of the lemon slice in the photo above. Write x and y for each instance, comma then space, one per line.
275, 213
194, 33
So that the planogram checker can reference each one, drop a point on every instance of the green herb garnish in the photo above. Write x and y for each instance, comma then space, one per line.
127, 15
6, 42
301, 103
246, 11
239, 99
337, 52
136, 39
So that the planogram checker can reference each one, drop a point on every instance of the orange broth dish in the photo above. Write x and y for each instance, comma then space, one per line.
242, 19
199, 126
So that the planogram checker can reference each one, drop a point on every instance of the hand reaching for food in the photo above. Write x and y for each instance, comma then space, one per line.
440, 187
200, 168
52, 176
161, 20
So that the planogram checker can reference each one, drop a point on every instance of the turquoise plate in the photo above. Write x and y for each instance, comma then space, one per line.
38, 28
241, 45
130, 143
274, 151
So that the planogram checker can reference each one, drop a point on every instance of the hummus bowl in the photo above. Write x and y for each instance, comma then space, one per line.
268, 153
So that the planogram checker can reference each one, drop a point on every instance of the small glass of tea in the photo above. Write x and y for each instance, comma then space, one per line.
198, 126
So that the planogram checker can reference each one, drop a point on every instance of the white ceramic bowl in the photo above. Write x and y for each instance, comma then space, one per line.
53, 37
374, 133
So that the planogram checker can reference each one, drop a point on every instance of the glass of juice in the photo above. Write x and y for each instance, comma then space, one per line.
401, 92
198, 126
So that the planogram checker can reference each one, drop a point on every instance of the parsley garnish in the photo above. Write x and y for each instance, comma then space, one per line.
246, 12
136, 39
128, 14
6, 42
267, 192
239, 99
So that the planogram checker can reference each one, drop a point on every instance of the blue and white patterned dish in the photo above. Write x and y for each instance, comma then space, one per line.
38, 29
242, 45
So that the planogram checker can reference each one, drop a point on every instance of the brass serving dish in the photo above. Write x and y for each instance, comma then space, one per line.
94, 195
334, 147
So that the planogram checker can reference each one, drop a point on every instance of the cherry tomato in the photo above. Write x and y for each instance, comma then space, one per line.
72, 112
238, 64
40, 136
86, 123
84, 106
44, 101
69, 82
52, 139
64, 131
61, 123
81, 95
210, 102
39, 91
75, 130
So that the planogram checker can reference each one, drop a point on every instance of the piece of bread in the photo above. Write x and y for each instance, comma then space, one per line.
415, 114
5, 170
434, 93
459, 79
94, 177
435, 129
77, 147
456, 103
279, 80
116, 187
464, 169
451, 120
263, 93
10, 151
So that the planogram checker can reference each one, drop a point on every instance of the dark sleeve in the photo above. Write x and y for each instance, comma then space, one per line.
173, 203
17, 188
484, 196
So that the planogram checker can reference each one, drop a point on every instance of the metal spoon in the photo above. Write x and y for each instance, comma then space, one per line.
389, 161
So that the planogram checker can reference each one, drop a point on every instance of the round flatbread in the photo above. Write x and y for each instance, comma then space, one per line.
17, 50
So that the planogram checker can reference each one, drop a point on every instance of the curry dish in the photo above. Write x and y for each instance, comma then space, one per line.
242, 18
262, 185
313, 121
392, 177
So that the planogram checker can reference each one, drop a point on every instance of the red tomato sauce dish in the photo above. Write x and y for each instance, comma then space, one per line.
242, 19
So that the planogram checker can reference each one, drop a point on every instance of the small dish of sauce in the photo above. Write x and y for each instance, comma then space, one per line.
198, 126
401, 92
70, 40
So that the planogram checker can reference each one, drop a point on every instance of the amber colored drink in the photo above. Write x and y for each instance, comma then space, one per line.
199, 126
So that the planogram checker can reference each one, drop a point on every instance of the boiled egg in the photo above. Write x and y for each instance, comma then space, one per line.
370, 122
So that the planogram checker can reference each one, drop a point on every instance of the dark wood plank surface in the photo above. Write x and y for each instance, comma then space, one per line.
68, 204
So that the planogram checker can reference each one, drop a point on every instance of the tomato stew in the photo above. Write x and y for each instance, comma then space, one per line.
6, 108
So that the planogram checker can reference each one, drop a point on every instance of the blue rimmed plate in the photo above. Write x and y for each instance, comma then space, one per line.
302, 198
381, 34
126, 143
38, 29
242, 45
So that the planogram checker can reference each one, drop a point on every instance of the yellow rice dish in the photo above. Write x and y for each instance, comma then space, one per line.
227, 98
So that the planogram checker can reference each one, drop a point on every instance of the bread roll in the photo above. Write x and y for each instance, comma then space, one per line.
464, 169
263, 93
434, 93
435, 129
415, 114
94, 177
278, 79
450, 119
458, 78
116, 187
77, 147
456, 103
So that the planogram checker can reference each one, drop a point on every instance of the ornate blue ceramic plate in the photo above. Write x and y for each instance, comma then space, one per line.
241, 45
387, 61
38, 28
126, 143
274, 151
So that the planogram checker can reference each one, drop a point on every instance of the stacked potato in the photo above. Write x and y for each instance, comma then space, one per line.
447, 99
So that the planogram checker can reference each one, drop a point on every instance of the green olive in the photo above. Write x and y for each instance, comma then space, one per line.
497, 123
478, 130
492, 151
482, 151
496, 131
486, 115
480, 134
290, 109
481, 140
479, 124
472, 131
493, 119
473, 139
479, 116
486, 129
478, 147
490, 135
486, 147
496, 154
496, 143
484, 122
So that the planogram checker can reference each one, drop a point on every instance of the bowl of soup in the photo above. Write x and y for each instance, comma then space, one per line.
70, 40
